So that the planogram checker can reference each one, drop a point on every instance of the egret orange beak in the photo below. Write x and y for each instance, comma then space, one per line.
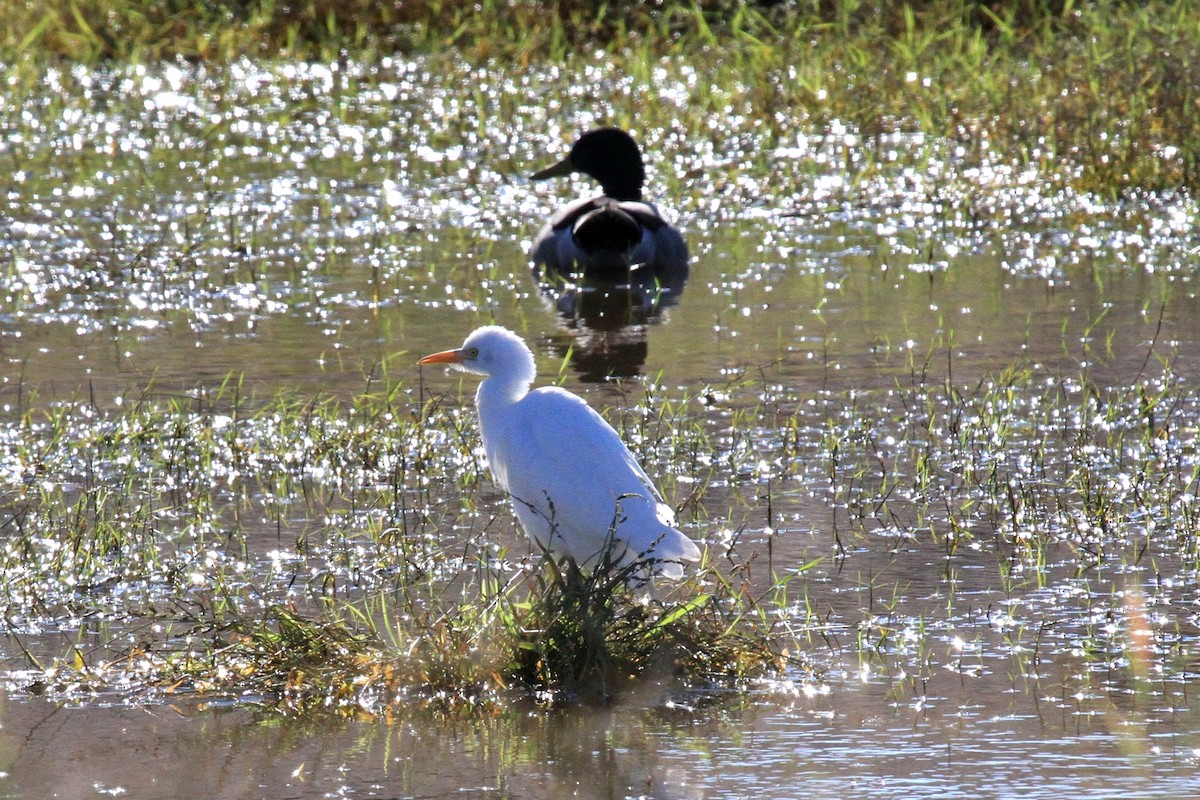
444, 357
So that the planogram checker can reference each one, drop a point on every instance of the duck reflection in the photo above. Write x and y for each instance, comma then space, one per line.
605, 322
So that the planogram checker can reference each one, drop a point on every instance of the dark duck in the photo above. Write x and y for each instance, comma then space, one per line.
606, 237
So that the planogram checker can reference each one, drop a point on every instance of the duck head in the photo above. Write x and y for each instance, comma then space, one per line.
610, 156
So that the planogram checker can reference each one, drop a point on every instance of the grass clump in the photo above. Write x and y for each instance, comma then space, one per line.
589, 634
551, 636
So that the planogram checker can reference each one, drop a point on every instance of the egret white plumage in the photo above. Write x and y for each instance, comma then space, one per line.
575, 487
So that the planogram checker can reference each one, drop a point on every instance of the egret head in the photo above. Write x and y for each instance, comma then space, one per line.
494, 352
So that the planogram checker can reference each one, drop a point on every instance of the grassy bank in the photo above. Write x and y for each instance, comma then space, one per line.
1104, 92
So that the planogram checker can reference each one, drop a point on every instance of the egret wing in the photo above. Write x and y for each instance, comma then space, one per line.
567, 467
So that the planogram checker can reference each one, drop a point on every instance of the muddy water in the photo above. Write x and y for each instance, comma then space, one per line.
859, 746
164, 230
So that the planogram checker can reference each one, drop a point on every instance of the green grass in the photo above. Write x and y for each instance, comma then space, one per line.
386, 599
1101, 95
349, 557
546, 636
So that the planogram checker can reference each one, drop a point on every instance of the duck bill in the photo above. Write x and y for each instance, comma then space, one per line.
559, 170
444, 357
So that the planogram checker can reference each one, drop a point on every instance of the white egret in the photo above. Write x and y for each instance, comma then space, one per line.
576, 489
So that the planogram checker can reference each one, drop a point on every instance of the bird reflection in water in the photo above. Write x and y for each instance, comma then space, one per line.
605, 323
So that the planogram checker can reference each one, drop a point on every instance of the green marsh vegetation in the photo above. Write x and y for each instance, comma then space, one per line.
348, 553
148, 530
402, 583
1100, 95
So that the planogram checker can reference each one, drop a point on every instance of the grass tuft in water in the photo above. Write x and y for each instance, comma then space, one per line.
556, 636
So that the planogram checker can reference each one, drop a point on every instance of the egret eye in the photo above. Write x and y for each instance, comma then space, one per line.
471, 352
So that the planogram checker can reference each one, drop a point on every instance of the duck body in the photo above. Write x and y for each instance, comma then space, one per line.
607, 235
602, 237
576, 489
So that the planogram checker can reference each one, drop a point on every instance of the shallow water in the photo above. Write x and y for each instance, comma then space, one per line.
315, 230
860, 744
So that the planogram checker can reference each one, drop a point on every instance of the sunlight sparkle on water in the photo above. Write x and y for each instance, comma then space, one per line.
307, 227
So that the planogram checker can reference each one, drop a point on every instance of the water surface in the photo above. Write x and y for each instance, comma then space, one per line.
313, 230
